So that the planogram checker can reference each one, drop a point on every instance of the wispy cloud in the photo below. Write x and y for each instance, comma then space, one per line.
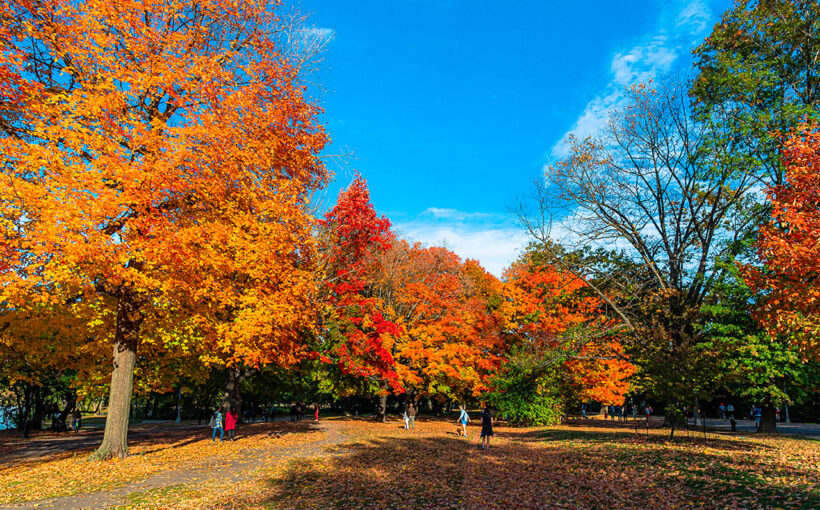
322, 34
694, 17
307, 42
456, 215
492, 239
655, 56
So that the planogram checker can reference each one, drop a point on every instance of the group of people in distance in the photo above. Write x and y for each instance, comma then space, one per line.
297, 411
487, 422
228, 423
619, 413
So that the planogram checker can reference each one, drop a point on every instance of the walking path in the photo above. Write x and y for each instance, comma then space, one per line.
235, 471
797, 429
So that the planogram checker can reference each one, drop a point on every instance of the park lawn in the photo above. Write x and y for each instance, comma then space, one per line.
75, 472
571, 466
579, 465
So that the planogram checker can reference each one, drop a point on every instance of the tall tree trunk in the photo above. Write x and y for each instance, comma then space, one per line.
381, 408
768, 420
381, 405
70, 404
24, 410
670, 418
39, 409
153, 412
115, 438
232, 395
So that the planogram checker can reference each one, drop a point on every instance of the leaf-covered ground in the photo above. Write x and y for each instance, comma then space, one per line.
574, 466
186, 451
583, 465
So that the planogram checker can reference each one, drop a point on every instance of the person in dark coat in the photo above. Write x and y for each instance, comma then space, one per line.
486, 428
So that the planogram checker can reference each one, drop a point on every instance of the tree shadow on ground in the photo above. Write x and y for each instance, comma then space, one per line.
153, 440
442, 472
246, 432
628, 435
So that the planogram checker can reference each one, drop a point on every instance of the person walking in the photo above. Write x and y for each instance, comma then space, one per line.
406, 420
464, 419
78, 420
216, 424
293, 411
486, 427
230, 423
316, 411
730, 410
411, 415
758, 413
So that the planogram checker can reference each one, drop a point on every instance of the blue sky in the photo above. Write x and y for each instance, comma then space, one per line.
451, 109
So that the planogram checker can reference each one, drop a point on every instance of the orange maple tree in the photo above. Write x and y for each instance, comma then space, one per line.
550, 315
788, 246
450, 340
134, 135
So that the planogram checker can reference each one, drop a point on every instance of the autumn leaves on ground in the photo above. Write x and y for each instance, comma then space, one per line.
355, 463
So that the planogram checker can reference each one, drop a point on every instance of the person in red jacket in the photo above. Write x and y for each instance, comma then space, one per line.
230, 423
316, 411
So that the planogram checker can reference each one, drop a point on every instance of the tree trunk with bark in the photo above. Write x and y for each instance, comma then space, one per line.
768, 420
39, 409
232, 395
154, 407
381, 407
24, 410
70, 403
115, 437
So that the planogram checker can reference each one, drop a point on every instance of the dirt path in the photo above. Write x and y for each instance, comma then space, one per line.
234, 472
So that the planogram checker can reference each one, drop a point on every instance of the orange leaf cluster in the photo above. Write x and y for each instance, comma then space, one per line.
548, 311
789, 246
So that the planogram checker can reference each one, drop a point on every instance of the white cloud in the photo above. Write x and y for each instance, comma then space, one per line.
492, 239
642, 63
456, 215
654, 57
694, 17
309, 41
323, 34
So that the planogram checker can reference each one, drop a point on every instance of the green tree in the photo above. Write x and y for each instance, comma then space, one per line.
759, 74
653, 183
757, 366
